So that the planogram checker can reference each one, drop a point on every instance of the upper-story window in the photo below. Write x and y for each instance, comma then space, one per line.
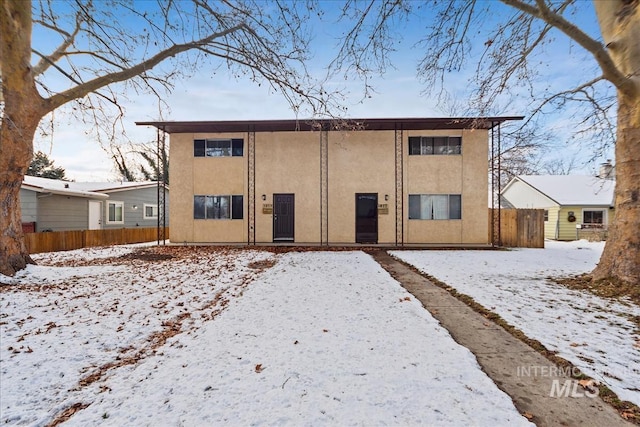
435, 145
218, 147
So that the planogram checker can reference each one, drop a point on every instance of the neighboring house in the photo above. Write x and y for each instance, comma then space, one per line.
572, 203
386, 181
55, 205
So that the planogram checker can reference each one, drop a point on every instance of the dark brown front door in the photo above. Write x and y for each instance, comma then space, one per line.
366, 218
283, 217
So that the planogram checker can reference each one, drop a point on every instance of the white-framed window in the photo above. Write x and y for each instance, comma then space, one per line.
435, 145
218, 207
149, 211
546, 215
594, 218
435, 206
115, 212
218, 147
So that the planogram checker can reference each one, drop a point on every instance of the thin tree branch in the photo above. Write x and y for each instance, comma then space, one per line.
610, 71
562, 94
50, 63
45, 62
95, 84
95, 54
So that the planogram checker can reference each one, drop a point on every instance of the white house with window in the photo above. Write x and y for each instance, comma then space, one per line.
55, 205
576, 206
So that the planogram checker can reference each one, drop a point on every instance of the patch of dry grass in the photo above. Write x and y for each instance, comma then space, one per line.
603, 288
607, 288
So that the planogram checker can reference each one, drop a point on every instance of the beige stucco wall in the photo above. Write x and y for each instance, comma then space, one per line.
204, 176
464, 174
289, 162
360, 162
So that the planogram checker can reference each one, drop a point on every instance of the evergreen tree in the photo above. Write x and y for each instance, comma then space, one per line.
43, 167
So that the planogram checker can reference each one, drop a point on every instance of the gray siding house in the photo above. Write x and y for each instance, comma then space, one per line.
54, 205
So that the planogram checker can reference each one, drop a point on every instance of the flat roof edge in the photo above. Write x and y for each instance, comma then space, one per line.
407, 123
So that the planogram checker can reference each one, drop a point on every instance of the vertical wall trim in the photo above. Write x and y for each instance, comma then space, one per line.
324, 187
161, 194
499, 183
496, 188
251, 183
399, 188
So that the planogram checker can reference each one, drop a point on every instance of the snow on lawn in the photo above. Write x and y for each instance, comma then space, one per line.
593, 333
59, 325
321, 338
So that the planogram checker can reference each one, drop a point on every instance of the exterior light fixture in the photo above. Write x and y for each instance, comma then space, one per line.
264, 197
386, 197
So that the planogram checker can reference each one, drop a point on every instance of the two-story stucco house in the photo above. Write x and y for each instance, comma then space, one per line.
386, 181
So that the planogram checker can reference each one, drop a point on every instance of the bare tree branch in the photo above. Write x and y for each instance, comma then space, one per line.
51, 63
91, 86
366, 47
609, 69
46, 61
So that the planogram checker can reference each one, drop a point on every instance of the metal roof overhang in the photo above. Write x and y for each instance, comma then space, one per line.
329, 124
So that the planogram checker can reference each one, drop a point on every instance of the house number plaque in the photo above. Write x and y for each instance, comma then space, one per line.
267, 208
383, 209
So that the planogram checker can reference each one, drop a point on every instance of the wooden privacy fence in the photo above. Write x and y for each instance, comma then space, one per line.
68, 240
520, 228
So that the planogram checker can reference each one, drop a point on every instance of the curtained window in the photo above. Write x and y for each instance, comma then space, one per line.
435, 206
218, 147
218, 207
439, 145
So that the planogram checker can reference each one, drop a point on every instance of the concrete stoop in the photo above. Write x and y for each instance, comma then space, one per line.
541, 391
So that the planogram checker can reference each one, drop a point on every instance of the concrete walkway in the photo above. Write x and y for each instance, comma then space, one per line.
517, 369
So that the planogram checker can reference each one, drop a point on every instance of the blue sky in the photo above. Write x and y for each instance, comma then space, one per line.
398, 94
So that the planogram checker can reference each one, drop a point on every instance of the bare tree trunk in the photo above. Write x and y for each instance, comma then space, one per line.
15, 155
620, 26
621, 256
23, 111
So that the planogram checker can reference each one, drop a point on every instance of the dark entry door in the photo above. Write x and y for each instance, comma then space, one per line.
366, 218
283, 217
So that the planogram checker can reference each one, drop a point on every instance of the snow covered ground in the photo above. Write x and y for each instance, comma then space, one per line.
593, 333
230, 337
